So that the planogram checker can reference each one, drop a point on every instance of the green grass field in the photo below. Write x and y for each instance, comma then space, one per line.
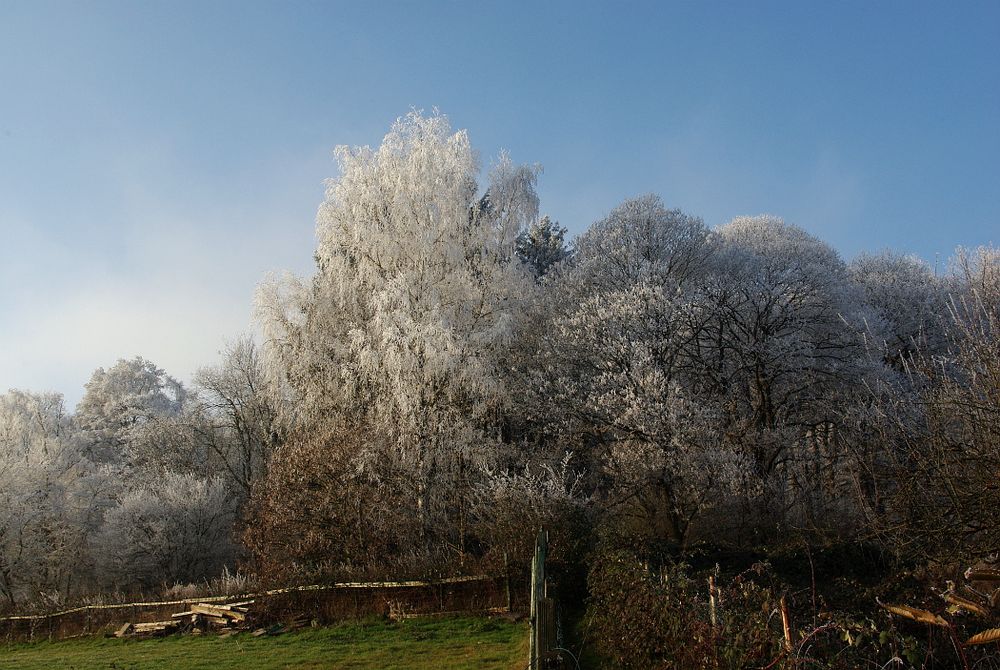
459, 642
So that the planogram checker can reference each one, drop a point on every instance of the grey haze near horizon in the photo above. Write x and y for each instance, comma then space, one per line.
156, 160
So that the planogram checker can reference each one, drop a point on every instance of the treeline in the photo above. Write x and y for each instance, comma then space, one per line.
139, 489
457, 373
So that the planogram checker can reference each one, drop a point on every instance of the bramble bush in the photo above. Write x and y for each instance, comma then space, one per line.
654, 613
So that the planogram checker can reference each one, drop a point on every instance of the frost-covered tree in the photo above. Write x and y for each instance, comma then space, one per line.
782, 351
783, 333
167, 517
176, 529
616, 364
121, 402
405, 326
542, 245
511, 504
908, 303
51, 497
978, 274
640, 240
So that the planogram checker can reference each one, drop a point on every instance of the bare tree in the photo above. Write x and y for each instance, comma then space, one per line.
238, 419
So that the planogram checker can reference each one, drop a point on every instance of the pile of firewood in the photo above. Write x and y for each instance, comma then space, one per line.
199, 619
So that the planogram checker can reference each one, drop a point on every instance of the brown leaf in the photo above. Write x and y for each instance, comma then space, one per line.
967, 605
923, 616
987, 636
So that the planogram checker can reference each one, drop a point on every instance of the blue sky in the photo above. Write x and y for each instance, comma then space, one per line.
157, 158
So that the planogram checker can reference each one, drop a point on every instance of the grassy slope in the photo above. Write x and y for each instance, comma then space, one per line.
459, 643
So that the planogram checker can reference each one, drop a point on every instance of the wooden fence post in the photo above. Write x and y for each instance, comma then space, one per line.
543, 608
711, 601
506, 579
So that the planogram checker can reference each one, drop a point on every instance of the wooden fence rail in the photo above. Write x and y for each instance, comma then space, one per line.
260, 594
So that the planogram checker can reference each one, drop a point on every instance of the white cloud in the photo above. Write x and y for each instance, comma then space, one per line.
173, 287
61, 343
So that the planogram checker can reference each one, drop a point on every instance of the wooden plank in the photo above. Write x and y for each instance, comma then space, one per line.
219, 612
155, 624
242, 605
156, 627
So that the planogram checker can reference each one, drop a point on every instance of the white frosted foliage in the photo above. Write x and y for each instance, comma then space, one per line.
416, 297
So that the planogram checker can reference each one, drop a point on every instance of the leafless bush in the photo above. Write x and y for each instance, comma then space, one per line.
934, 490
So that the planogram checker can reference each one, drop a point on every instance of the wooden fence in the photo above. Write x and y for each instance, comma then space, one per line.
323, 602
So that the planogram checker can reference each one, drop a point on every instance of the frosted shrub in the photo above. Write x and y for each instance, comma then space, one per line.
175, 529
512, 505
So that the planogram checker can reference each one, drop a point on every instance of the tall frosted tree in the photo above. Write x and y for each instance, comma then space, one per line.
403, 330
616, 363
783, 333
782, 351
119, 405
